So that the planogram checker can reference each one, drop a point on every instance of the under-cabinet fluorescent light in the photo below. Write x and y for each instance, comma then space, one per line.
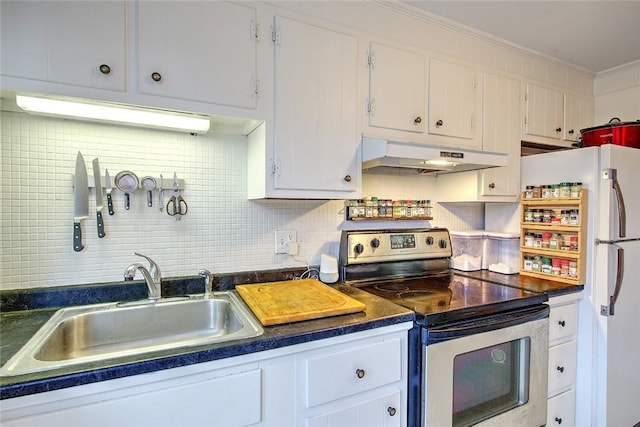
88, 110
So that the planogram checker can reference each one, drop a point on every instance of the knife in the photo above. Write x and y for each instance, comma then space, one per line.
81, 201
97, 179
107, 185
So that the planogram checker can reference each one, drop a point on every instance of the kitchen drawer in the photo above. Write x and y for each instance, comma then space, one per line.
563, 322
561, 410
562, 367
378, 412
340, 374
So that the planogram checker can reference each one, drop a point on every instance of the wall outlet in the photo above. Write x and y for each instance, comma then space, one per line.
283, 238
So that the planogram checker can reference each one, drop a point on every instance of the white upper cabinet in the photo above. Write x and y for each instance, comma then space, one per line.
397, 89
579, 114
315, 140
198, 50
544, 112
79, 43
501, 133
453, 103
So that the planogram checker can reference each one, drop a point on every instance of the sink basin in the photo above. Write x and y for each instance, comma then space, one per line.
105, 331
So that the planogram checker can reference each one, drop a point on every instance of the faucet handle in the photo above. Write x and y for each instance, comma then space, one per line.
208, 282
154, 268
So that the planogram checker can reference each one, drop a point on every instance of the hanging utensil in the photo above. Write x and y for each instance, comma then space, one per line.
127, 182
97, 179
81, 201
109, 188
177, 206
161, 193
149, 184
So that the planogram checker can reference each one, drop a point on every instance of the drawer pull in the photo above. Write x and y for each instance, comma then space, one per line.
560, 368
360, 373
156, 77
558, 420
391, 411
562, 323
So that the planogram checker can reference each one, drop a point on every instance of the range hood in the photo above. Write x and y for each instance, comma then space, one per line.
383, 156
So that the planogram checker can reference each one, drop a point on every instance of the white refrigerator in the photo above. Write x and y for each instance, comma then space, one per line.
608, 378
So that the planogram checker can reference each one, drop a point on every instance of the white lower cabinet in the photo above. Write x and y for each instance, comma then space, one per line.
563, 329
352, 380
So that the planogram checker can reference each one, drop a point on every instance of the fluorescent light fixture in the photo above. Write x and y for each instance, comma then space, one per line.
114, 113
442, 163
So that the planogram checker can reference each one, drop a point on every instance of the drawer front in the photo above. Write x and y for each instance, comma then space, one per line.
563, 322
337, 375
561, 410
562, 366
381, 412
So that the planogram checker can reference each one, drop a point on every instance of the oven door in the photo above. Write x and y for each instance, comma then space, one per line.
491, 371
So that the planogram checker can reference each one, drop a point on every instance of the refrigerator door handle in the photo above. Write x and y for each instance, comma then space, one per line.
610, 309
612, 174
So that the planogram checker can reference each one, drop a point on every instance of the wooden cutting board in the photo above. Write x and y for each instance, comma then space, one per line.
275, 303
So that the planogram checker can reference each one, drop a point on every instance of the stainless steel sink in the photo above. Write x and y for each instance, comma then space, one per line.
104, 331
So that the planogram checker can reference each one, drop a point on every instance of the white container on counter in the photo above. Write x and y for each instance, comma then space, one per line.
467, 250
501, 252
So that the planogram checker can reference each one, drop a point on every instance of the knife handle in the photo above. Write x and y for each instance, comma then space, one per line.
77, 237
100, 224
110, 204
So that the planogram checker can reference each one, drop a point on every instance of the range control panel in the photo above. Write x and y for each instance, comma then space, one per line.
360, 247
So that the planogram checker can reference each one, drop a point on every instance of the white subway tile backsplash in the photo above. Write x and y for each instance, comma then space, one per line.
223, 231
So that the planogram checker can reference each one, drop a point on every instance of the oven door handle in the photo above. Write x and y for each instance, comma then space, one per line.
485, 324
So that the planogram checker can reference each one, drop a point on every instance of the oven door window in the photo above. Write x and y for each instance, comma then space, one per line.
490, 381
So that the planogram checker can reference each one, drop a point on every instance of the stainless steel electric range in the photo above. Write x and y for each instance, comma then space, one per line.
478, 350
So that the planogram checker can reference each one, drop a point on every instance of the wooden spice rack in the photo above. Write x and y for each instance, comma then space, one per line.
580, 229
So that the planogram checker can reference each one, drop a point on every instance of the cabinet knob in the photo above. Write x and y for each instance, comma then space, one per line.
492, 185
347, 178
439, 123
417, 120
560, 368
105, 69
156, 77
558, 420
360, 373
558, 130
391, 410
571, 132
562, 323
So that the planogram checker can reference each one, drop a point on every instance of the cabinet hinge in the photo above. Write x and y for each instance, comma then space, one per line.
255, 83
473, 84
525, 120
275, 35
369, 106
526, 96
371, 59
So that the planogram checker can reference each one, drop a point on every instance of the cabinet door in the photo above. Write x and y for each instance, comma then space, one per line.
198, 50
315, 136
561, 410
381, 412
452, 99
501, 133
397, 89
80, 43
578, 114
544, 115
198, 401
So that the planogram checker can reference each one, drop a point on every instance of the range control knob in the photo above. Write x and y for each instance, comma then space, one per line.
429, 240
358, 248
375, 242
442, 243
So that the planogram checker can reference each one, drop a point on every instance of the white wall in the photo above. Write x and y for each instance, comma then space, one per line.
617, 93
223, 231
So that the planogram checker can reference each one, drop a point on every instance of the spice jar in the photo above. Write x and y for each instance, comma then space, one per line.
575, 189
546, 191
537, 192
555, 191
528, 215
553, 241
374, 207
537, 215
528, 192
546, 237
565, 217
528, 240
528, 263
574, 217
556, 266
565, 190
564, 267
573, 245
536, 264
573, 269
546, 265
546, 216
537, 240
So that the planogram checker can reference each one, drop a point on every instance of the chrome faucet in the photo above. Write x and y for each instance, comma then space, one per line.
152, 276
208, 283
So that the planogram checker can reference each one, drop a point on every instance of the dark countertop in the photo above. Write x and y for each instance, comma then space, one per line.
549, 287
20, 325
